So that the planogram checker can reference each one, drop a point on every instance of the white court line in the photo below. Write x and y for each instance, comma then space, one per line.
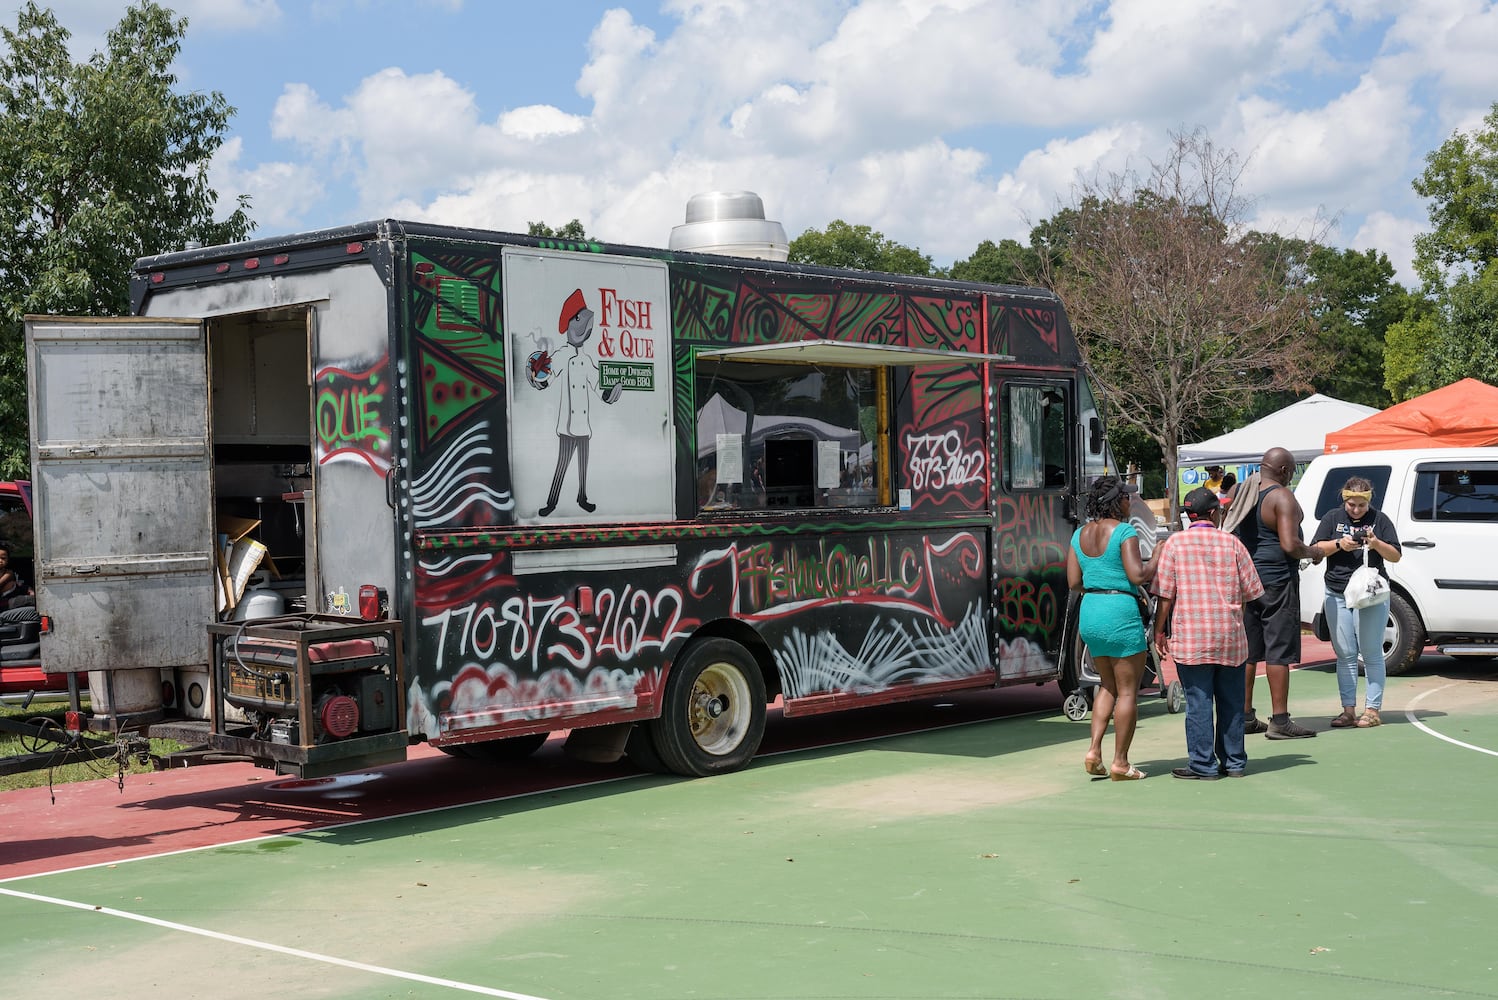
378, 970
1409, 713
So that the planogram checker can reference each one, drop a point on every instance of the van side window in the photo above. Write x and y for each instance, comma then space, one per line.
1468, 493
1331, 488
1033, 422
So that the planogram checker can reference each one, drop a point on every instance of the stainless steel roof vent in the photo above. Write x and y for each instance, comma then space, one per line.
731, 223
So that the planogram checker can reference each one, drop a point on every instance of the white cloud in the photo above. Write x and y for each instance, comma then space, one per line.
1395, 237
539, 120
226, 15
280, 193
939, 123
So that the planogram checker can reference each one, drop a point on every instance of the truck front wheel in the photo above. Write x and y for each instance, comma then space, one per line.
1404, 636
713, 712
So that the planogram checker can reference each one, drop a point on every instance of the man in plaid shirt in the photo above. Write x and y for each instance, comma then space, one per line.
1204, 578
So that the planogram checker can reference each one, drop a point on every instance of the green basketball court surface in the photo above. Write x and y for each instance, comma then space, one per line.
971, 861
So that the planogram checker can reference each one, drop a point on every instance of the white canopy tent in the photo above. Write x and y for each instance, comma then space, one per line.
1301, 427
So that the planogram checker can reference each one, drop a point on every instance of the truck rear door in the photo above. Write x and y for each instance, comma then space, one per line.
122, 491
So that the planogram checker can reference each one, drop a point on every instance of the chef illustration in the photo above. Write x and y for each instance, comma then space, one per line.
579, 383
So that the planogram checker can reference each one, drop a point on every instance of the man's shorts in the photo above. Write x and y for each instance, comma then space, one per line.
1273, 624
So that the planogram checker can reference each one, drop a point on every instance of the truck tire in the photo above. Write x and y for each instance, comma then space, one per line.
641, 750
713, 712
1404, 636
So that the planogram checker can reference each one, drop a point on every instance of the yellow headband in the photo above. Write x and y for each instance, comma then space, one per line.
1364, 495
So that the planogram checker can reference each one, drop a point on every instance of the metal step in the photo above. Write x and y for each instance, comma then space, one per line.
1470, 649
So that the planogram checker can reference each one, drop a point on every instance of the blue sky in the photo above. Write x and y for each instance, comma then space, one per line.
939, 123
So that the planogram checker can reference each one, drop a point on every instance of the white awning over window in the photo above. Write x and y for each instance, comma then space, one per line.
835, 352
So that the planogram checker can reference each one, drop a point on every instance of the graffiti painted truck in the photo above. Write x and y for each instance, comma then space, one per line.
482, 487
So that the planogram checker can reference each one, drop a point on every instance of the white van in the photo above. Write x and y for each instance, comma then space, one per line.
1444, 505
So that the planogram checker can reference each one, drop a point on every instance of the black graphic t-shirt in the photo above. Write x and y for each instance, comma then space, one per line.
1336, 525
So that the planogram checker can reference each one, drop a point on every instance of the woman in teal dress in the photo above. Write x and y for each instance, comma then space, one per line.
1103, 563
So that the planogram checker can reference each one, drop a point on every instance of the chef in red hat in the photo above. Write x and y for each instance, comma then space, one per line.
579, 384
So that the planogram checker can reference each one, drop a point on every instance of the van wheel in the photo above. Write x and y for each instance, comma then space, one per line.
713, 714
1404, 637
507, 749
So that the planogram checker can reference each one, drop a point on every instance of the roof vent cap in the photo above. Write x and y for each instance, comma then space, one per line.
731, 223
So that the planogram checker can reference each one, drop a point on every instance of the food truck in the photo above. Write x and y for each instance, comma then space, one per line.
341, 492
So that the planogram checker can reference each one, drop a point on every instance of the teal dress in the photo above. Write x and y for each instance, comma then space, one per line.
1109, 623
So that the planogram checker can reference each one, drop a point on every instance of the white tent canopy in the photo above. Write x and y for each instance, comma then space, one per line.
1301, 427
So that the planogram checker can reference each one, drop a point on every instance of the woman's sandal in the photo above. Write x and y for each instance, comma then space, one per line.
1094, 766
1369, 719
1347, 719
1132, 774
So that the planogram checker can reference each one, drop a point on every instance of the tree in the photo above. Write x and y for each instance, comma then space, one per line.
1007, 262
860, 247
1182, 311
1461, 182
1458, 261
104, 162
1408, 346
571, 231
1355, 301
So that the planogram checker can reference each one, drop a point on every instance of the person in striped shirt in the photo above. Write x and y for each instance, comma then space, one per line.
1203, 579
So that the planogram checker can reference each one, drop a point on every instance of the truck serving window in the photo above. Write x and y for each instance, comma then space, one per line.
795, 435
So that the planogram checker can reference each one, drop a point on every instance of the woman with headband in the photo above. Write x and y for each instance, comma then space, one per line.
1341, 537
1103, 563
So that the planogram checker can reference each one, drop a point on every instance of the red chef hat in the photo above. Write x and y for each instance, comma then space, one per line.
570, 309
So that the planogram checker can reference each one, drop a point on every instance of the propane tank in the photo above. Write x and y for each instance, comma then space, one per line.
259, 600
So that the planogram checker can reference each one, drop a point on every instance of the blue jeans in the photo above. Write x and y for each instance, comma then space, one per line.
1207, 684
1354, 632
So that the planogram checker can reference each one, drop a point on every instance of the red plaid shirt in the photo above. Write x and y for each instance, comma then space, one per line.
1210, 576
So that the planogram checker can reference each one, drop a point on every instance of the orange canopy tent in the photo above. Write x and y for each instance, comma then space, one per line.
1461, 415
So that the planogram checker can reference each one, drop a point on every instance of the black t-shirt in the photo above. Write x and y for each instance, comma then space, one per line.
1335, 525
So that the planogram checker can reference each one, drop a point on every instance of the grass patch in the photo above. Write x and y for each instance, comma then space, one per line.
66, 768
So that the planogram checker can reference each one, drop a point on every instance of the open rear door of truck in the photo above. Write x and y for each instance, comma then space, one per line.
122, 474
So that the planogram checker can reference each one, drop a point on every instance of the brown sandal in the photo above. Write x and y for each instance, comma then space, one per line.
1347, 719
1369, 719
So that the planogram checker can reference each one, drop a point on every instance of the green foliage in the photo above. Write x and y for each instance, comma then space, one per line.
1461, 181
105, 162
1356, 300
1456, 337
1472, 308
571, 231
842, 245
1408, 343
1006, 263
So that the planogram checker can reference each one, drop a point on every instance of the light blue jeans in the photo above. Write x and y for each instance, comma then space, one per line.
1354, 632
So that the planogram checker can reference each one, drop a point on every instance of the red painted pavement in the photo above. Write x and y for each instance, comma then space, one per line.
94, 822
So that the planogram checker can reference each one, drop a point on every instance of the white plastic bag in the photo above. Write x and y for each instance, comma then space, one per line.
1366, 587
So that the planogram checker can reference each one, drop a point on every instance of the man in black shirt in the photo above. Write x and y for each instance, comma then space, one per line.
1272, 534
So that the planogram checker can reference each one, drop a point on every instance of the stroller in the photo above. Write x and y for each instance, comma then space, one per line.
1082, 689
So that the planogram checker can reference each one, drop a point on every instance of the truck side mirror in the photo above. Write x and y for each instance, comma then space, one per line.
1094, 435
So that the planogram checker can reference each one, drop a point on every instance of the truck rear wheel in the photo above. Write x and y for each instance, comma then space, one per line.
1404, 636
713, 713
641, 750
